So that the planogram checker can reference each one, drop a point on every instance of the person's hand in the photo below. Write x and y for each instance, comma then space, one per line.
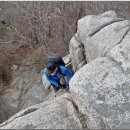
63, 81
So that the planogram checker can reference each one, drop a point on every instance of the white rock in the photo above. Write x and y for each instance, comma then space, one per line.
121, 53
57, 113
96, 36
45, 82
76, 53
67, 59
101, 91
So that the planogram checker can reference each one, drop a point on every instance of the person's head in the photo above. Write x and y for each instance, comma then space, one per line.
52, 68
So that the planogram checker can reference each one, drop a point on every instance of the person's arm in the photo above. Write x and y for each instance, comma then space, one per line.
67, 72
49, 78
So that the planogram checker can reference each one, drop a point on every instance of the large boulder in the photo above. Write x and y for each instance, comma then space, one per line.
101, 91
58, 113
97, 34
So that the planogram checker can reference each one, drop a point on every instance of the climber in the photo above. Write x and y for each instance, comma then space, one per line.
58, 75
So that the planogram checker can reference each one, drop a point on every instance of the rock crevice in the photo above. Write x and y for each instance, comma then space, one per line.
82, 117
107, 24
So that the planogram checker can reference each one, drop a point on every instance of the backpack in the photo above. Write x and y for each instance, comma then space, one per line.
56, 59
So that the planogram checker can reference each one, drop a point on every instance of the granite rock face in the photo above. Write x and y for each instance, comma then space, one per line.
121, 53
76, 53
96, 36
58, 113
101, 88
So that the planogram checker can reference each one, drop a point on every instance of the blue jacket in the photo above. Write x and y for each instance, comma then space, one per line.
56, 78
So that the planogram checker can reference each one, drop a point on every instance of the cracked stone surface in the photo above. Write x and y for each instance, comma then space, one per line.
121, 53
97, 35
57, 113
76, 53
101, 91
107, 38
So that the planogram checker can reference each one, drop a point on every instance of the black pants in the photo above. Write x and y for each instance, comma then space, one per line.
57, 88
